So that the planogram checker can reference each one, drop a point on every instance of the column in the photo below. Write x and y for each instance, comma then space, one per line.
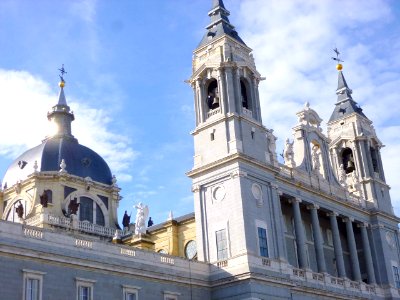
355, 266
367, 253
278, 217
200, 101
318, 240
300, 235
337, 245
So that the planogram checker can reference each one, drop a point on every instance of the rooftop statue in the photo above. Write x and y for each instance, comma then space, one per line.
141, 217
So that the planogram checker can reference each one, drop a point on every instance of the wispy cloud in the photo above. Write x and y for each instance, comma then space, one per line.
28, 98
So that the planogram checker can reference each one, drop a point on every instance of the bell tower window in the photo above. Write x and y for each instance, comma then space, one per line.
213, 94
348, 160
374, 159
244, 96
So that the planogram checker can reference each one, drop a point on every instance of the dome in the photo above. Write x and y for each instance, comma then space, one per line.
80, 161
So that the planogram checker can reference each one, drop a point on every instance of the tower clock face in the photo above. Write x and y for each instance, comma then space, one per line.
191, 250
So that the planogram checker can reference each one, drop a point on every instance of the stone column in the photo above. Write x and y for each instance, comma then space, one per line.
300, 235
318, 240
355, 265
200, 101
367, 253
337, 245
279, 223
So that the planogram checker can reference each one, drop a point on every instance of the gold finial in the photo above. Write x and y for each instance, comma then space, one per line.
339, 66
62, 71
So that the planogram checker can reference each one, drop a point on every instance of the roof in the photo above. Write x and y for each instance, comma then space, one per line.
80, 161
220, 24
345, 104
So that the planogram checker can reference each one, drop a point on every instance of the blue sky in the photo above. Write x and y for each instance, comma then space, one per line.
127, 62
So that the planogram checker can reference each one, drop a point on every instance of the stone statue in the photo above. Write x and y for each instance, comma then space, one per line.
141, 217
73, 206
288, 154
342, 175
315, 158
44, 199
126, 220
150, 222
20, 210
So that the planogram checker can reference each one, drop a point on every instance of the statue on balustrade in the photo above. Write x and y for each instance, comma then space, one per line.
141, 217
288, 154
20, 210
73, 206
44, 199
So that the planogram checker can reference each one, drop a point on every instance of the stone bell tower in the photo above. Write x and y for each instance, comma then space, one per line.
232, 147
355, 150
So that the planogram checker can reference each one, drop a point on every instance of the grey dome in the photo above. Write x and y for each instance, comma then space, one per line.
80, 160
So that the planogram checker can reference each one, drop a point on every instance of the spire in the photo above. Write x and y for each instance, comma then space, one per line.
220, 24
345, 104
61, 115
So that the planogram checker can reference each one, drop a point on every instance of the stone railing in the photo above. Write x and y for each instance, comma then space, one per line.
84, 226
214, 112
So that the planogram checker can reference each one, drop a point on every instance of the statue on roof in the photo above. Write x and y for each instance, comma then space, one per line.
73, 206
315, 159
141, 217
288, 154
126, 220
20, 210
44, 199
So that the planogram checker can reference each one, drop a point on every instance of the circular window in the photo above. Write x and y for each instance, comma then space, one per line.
191, 250
219, 193
162, 251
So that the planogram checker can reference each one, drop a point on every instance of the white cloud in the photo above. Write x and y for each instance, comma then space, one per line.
293, 42
28, 98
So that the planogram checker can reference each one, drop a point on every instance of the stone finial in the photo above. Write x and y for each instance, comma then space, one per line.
35, 167
170, 216
63, 166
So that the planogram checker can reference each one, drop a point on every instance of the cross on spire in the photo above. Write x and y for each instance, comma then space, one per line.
62, 71
337, 55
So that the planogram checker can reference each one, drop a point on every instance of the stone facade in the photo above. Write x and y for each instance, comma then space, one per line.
319, 225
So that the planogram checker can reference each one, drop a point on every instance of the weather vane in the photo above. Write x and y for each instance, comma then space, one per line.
337, 56
62, 71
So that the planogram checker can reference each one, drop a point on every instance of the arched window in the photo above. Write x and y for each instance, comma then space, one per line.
212, 94
99, 216
244, 95
348, 160
86, 209
87, 212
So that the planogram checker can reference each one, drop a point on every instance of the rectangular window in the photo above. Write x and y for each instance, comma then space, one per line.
130, 296
32, 286
130, 292
262, 241
396, 276
222, 245
32, 289
84, 289
84, 293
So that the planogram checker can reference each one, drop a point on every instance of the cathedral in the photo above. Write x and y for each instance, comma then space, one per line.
320, 225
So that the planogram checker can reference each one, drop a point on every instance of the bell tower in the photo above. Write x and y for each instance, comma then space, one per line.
355, 150
225, 84
232, 147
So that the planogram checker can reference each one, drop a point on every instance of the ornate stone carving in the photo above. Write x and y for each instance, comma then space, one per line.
141, 216
256, 190
218, 193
